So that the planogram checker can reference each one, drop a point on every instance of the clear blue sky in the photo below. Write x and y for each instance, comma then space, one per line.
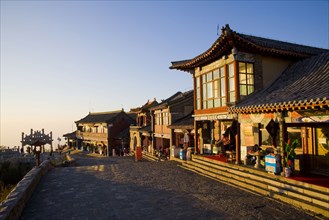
62, 59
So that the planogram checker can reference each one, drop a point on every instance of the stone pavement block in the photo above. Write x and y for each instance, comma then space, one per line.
120, 188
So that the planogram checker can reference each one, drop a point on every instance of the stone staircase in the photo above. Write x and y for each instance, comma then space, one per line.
150, 157
303, 195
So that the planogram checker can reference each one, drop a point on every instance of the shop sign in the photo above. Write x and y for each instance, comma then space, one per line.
161, 135
178, 131
212, 117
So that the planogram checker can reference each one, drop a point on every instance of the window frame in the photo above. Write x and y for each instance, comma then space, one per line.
208, 89
216, 80
231, 82
247, 81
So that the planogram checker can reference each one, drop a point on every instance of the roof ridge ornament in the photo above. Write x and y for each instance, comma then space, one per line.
226, 30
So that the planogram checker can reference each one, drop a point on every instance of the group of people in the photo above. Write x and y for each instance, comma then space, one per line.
163, 152
121, 151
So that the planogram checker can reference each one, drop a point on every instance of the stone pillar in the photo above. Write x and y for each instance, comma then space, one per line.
152, 143
172, 138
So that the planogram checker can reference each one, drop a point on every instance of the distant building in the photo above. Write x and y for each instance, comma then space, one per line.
141, 134
164, 124
101, 132
165, 114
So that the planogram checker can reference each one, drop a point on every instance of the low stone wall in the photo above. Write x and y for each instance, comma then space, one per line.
6, 155
12, 207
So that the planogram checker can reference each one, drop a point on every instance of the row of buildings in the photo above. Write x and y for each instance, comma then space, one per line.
259, 91
152, 126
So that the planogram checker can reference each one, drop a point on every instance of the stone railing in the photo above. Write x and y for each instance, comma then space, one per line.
13, 206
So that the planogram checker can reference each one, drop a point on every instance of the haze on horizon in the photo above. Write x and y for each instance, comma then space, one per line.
62, 59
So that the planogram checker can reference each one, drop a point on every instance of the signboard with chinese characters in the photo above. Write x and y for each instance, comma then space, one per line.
247, 133
212, 117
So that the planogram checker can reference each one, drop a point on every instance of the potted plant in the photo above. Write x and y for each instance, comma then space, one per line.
290, 156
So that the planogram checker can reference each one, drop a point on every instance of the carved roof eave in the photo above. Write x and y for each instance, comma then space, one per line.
319, 103
225, 43
218, 49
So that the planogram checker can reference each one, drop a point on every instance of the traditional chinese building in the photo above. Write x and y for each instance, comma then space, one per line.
299, 100
102, 131
165, 114
233, 68
140, 133
183, 130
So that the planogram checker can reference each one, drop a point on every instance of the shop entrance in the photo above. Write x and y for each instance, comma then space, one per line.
313, 154
318, 149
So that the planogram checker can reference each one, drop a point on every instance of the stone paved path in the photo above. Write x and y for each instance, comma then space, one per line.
120, 188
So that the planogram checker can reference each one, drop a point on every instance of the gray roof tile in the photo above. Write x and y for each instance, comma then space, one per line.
303, 83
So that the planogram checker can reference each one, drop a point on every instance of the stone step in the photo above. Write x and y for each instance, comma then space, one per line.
261, 176
324, 192
150, 157
260, 183
305, 196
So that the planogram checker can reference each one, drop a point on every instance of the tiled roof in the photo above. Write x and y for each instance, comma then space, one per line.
98, 117
70, 135
302, 85
186, 122
174, 99
149, 104
230, 39
281, 46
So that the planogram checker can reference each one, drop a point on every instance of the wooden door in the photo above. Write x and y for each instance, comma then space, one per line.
321, 151
317, 150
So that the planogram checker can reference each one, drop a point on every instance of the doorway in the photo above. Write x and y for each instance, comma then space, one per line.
317, 149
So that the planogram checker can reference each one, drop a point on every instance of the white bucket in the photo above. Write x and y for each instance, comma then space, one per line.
287, 171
